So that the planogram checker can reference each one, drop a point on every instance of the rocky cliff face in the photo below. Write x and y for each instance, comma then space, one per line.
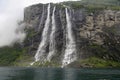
94, 32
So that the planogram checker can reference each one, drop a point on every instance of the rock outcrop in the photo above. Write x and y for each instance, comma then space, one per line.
89, 28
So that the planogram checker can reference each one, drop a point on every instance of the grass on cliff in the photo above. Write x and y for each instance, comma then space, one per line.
14, 56
95, 62
94, 5
23, 61
46, 64
99, 63
9, 54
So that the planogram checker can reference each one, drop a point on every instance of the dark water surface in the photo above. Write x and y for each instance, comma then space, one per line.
15, 73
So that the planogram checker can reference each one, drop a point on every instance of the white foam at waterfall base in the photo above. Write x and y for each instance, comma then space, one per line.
42, 46
70, 51
52, 37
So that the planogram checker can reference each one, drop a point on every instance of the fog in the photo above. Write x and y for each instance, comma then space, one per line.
11, 12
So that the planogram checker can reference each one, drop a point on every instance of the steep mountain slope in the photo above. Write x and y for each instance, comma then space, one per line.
77, 34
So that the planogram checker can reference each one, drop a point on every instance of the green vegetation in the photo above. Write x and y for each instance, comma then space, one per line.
73, 4
94, 5
30, 33
98, 50
110, 30
102, 2
99, 63
15, 56
9, 54
110, 48
46, 64
95, 62
23, 60
105, 55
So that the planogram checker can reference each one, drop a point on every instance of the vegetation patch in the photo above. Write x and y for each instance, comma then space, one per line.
15, 56
94, 5
30, 33
23, 61
99, 63
46, 64
9, 54
94, 62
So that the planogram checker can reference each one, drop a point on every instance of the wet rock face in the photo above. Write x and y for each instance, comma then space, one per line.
86, 26
95, 23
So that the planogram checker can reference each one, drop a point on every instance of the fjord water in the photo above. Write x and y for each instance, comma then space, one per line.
58, 74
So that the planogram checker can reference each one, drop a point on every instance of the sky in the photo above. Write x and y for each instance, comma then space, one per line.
11, 12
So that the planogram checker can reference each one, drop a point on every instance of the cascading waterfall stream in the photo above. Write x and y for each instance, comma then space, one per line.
52, 37
49, 39
42, 46
70, 51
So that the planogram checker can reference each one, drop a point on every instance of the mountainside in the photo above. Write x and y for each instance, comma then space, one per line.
73, 34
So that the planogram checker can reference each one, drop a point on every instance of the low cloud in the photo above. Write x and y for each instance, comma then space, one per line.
11, 12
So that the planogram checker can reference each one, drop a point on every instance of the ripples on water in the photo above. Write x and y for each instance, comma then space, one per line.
58, 74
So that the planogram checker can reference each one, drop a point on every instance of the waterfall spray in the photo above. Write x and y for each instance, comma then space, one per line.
52, 37
43, 44
70, 51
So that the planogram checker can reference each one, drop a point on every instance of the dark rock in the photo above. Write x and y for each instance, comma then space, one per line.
88, 29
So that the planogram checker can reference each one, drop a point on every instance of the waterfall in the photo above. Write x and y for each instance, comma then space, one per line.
42, 46
52, 37
70, 51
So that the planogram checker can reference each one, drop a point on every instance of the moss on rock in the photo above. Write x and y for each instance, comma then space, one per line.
46, 64
95, 62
